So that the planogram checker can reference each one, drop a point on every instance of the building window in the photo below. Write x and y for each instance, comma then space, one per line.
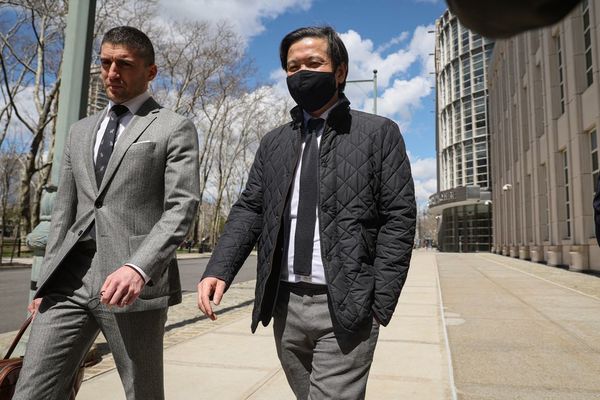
478, 83
466, 71
468, 119
459, 161
480, 116
451, 162
465, 39
475, 40
587, 41
561, 82
457, 123
544, 203
456, 78
454, 39
469, 180
565, 162
595, 164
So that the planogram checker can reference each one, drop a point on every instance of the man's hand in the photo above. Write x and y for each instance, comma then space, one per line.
33, 306
122, 287
210, 288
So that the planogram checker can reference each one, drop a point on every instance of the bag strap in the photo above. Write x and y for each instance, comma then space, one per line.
18, 337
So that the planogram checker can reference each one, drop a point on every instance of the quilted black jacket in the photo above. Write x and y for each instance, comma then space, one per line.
366, 215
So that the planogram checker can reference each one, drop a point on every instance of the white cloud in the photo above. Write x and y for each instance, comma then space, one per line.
401, 100
394, 41
424, 172
245, 16
399, 92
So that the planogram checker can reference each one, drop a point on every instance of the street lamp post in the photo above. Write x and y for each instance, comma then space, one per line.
374, 80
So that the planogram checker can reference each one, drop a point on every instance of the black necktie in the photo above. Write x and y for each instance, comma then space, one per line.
307, 200
108, 141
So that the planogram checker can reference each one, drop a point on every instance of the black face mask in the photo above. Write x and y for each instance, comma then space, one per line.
311, 90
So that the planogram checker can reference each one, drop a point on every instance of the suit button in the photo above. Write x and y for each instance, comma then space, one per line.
328, 258
98, 204
342, 307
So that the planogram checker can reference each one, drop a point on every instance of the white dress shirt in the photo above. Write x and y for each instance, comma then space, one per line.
133, 106
318, 273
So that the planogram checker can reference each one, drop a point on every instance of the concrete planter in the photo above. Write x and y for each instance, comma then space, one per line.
554, 255
579, 258
524, 252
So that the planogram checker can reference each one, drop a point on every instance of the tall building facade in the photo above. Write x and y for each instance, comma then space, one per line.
545, 113
462, 201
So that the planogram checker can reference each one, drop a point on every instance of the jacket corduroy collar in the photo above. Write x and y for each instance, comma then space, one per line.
338, 119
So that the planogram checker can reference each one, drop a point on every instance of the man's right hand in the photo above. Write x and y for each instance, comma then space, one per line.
33, 306
210, 288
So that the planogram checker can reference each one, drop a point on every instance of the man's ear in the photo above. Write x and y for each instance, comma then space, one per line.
152, 71
340, 73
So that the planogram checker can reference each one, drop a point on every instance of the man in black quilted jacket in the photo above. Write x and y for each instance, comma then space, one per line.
330, 203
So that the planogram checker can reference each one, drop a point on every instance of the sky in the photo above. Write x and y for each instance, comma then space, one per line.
391, 36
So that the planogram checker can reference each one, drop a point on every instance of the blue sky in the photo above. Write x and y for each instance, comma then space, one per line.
388, 35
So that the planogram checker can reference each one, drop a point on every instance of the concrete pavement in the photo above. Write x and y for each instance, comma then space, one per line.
224, 360
468, 326
521, 330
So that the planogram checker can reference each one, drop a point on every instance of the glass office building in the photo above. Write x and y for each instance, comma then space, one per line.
462, 203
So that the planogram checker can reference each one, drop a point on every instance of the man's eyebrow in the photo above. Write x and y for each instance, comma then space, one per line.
117, 58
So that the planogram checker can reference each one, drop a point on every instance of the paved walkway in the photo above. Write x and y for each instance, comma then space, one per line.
521, 330
223, 360
515, 330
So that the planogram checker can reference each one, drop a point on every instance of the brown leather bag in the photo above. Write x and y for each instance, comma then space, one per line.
11, 367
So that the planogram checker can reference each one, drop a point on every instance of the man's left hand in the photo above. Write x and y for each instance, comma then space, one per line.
122, 287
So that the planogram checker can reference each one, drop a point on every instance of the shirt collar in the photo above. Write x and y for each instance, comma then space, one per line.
324, 116
133, 105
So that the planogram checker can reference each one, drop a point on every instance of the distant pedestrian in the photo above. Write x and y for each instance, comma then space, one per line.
330, 201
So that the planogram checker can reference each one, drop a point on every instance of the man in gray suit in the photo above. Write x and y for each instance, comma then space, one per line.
127, 195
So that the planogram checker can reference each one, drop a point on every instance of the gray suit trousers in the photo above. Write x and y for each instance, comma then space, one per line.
68, 321
320, 360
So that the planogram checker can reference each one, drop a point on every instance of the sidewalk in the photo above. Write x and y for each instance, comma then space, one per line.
17, 262
223, 360
520, 330
25, 262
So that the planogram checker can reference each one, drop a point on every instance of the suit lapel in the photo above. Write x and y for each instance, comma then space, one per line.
140, 121
90, 141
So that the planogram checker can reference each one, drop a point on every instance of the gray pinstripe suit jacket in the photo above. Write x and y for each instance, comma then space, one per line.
144, 207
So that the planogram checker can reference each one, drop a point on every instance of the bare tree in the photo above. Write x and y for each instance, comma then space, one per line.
9, 169
202, 68
203, 74
248, 118
33, 48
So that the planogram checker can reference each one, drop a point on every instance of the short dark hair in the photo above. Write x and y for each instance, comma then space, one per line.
132, 38
335, 47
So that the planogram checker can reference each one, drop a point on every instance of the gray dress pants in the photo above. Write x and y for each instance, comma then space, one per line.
320, 360
68, 321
